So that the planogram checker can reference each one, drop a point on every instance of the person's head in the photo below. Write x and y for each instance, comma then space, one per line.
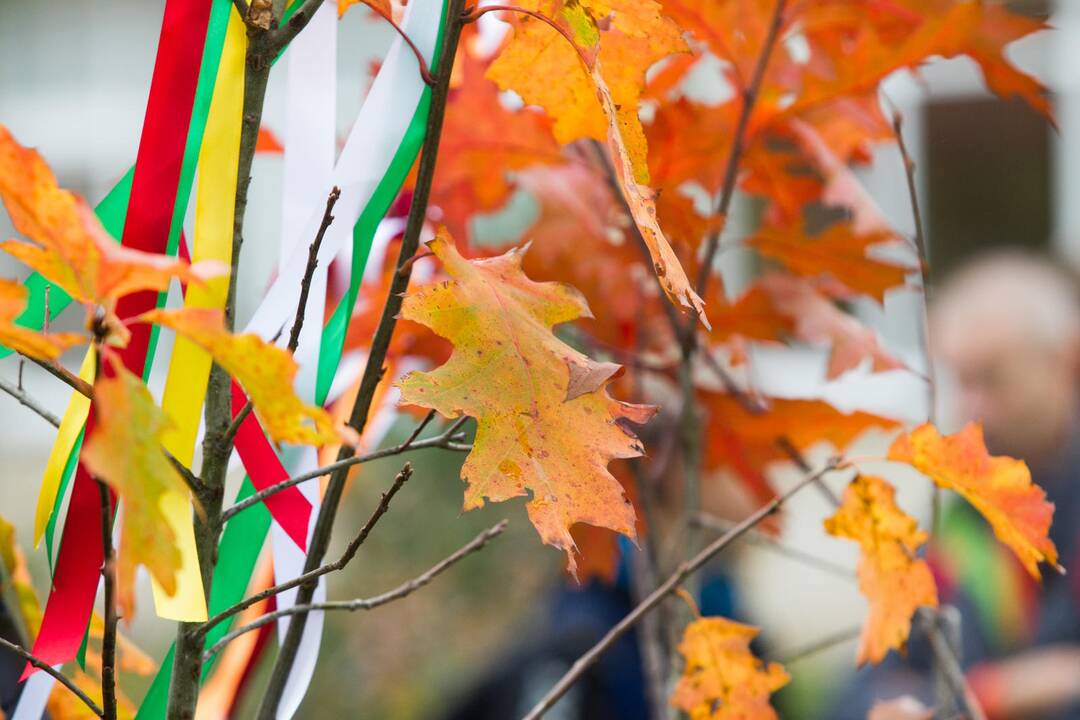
1008, 327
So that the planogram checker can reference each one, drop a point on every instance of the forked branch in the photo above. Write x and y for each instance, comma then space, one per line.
340, 563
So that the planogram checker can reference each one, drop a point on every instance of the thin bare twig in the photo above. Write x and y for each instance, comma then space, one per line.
366, 603
444, 440
731, 171
62, 373
685, 570
950, 667
301, 306
924, 268
309, 271
195, 485
820, 645
292, 27
350, 551
760, 539
59, 676
24, 399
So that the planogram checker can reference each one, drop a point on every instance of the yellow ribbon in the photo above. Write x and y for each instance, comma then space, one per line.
189, 366
71, 426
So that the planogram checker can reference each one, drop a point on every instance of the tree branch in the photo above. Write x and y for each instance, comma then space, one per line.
340, 563
676, 579
731, 171
949, 665
63, 374
24, 399
59, 676
218, 415
760, 539
108, 640
292, 27
444, 441
380, 344
366, 603
924, 267
820, 645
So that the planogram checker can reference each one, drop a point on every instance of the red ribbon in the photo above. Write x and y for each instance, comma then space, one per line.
149, 219
289, 508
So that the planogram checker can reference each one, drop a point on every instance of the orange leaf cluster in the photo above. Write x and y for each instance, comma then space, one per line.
895, 582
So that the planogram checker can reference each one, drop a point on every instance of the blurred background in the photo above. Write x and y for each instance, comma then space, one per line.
73, 82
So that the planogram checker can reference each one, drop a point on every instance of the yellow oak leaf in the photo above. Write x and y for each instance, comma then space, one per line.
998, 487
69, 246
264, 370
37, 345
124, 451
722, 679
894, 581
546, 424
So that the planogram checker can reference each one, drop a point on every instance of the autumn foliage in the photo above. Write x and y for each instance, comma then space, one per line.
607, 307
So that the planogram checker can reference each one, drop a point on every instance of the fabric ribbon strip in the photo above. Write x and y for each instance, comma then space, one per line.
377, 157
147, 227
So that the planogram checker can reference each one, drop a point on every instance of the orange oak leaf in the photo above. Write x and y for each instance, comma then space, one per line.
264, 370
839, 253
546, 424
70, 247
594, 102
894, 581
124, 450
722, 679
998, 487
853, 50
43, 346
818, 320
580, 237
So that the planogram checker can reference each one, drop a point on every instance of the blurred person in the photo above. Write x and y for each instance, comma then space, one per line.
1007, 329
